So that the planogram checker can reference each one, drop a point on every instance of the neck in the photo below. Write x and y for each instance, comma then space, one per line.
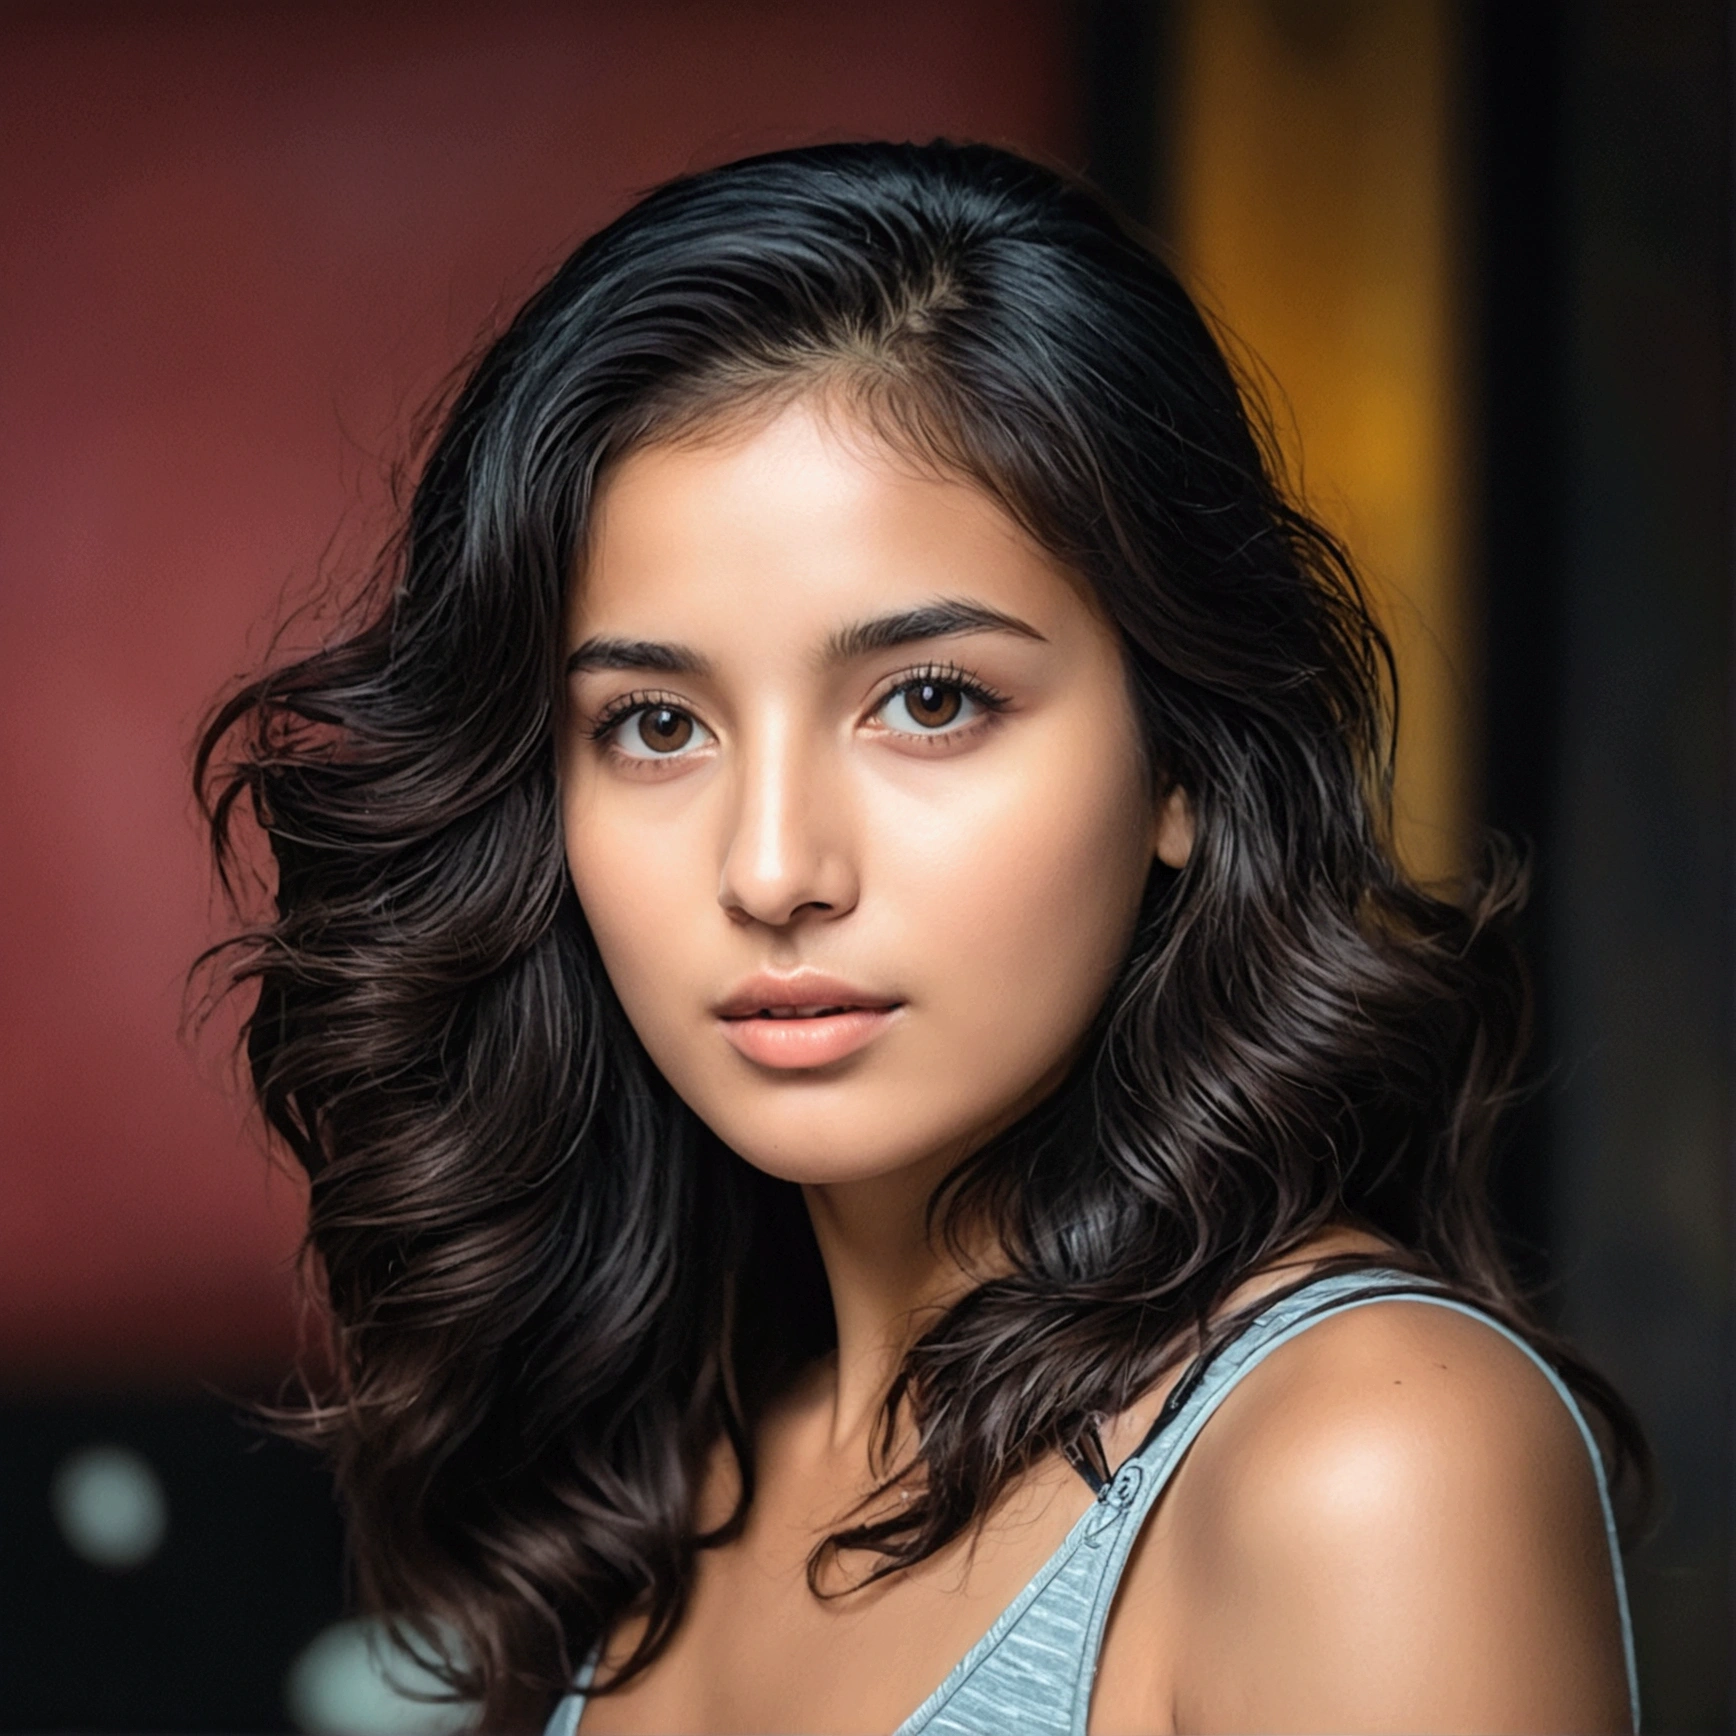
889, 1278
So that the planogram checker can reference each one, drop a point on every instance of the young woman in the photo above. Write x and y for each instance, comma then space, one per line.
889, 1146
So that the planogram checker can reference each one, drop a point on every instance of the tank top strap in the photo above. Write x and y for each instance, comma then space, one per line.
564, 1720
1137, 1486
1034, 1669
1211, 1378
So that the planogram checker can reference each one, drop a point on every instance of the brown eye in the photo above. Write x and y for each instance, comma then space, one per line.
664, 730
658, 732
932, 704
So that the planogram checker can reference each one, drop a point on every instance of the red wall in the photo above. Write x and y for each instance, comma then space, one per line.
239, 246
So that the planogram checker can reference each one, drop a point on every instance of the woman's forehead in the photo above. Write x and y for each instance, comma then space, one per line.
794, 526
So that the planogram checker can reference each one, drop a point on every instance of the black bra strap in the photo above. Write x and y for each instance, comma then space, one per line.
1088, 1458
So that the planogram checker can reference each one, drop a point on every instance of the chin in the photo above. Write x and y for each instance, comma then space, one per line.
834, 1154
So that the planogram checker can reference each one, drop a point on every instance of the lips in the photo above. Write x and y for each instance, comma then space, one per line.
801, 1021
805, 995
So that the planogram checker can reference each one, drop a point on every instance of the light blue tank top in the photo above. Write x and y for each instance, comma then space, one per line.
1032, 1672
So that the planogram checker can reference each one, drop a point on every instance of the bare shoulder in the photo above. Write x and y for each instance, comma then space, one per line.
1391, 1522
1356, 1416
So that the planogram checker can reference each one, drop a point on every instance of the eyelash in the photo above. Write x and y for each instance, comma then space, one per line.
619, 710
943, 675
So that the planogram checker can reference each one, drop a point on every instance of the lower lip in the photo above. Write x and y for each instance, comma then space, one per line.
807, 1042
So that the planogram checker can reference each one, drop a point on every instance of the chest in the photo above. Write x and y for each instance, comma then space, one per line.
759, 1650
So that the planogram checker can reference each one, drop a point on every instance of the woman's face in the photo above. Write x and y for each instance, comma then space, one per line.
852, 793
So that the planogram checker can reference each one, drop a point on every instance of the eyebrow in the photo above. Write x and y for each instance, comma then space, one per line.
862, 638
931, 621
603, 653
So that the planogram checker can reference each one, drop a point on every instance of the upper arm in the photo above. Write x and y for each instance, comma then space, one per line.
1393, 1524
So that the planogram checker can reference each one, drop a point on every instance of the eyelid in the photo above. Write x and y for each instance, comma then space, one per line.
619, 709
986, 699
942, 675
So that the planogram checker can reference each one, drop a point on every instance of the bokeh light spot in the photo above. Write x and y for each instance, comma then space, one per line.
352, 1680
110, 1507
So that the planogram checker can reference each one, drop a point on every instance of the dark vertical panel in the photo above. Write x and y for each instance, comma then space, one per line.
1605, 334
1513, 87
1639, 941
1122, 61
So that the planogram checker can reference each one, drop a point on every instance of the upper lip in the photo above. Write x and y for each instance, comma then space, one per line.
806, 991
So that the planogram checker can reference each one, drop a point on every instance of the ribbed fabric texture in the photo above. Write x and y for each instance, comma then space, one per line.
1031, 1673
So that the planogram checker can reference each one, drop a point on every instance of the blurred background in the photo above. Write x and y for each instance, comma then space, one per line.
1478, 254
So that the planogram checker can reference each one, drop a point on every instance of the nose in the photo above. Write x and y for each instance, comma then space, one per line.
787, 855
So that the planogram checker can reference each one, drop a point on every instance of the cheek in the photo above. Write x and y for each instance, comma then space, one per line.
631, 892
1026, 897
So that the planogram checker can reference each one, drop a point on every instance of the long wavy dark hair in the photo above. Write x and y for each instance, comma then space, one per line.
555, 1295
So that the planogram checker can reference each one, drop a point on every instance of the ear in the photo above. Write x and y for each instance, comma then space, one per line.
1172, 836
